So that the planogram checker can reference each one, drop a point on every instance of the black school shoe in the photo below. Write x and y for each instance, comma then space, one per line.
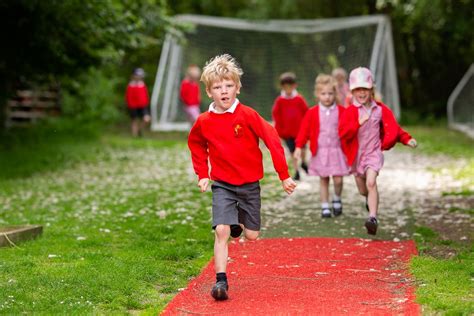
235, 231
297, 176
371, 224
325, 213
337, 210
219, 291
304, 166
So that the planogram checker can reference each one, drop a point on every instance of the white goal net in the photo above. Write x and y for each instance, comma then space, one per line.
265, 49
461, 104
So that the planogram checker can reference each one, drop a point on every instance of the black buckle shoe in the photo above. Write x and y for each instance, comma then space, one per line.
235, 231
371, 224
325, 213
297, 176
304, 166
337, 210
219, 291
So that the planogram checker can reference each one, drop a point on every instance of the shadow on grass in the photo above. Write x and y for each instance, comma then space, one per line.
61, 144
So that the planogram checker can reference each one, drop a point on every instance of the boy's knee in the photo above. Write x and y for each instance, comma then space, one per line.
251, 234
222, 231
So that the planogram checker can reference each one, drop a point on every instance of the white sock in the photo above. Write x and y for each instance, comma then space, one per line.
336, 198
324, 205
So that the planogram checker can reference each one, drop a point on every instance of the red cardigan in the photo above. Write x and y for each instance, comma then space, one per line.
136, 95
189, 92
390, 131
230, 141
310, 129
288, 114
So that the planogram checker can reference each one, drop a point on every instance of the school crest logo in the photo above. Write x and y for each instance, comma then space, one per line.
238, 130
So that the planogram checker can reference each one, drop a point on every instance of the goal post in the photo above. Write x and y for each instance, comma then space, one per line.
267, 48
461, 104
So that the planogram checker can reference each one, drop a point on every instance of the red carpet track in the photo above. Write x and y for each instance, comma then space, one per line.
307, 276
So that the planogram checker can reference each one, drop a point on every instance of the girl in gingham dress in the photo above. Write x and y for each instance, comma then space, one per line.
366, 129
320, 127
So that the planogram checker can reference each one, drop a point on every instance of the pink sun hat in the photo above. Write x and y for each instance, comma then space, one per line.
361, 78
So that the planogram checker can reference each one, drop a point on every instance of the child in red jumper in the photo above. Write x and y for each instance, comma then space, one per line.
189, 93
227, 137
137, 100
320, 127
288, 112
368, 127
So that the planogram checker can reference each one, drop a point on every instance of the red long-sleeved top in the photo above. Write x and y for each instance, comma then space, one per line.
189, 92
230, 141
137, 95
390, 131
310, 128
288, 115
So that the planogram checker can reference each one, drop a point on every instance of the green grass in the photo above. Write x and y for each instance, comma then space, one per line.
440, 140
124, 226
445, 285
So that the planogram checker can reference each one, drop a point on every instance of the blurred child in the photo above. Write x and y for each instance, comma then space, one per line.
368, 127
137, 100
320, 127
189, 93
344, 94
288, 112
226, 137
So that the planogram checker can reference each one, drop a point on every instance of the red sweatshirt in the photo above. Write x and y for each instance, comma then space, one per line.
136, 95
310, 128
390, 131
231, 143
288, 115
189, 92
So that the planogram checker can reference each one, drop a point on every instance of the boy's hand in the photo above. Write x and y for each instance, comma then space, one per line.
412, 143
363, 119
203, 184
288, 185
297, 153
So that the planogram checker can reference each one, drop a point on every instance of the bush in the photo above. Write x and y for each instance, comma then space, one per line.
94, 97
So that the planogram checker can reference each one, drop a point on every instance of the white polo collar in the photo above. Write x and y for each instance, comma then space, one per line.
327, 110
293, 94
229, 110
357, 104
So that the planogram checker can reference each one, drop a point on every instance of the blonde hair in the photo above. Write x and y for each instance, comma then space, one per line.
326, 80
339, 72
219, 68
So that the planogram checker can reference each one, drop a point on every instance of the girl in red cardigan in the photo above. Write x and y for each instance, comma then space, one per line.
367, 127
320, 127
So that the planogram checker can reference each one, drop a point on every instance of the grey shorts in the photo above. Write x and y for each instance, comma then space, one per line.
234, 204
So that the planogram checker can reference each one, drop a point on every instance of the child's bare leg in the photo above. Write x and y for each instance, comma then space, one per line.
324, 190
295, 163
337, 186
361, 185
135, 127
373, 194
221, 252
251, 234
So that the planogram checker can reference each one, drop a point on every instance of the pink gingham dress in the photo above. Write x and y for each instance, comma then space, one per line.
329, 159
370, 147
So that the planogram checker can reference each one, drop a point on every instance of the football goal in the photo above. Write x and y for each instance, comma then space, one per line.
267, 48
461, 104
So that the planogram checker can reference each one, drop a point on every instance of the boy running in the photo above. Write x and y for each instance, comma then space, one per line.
227, 136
